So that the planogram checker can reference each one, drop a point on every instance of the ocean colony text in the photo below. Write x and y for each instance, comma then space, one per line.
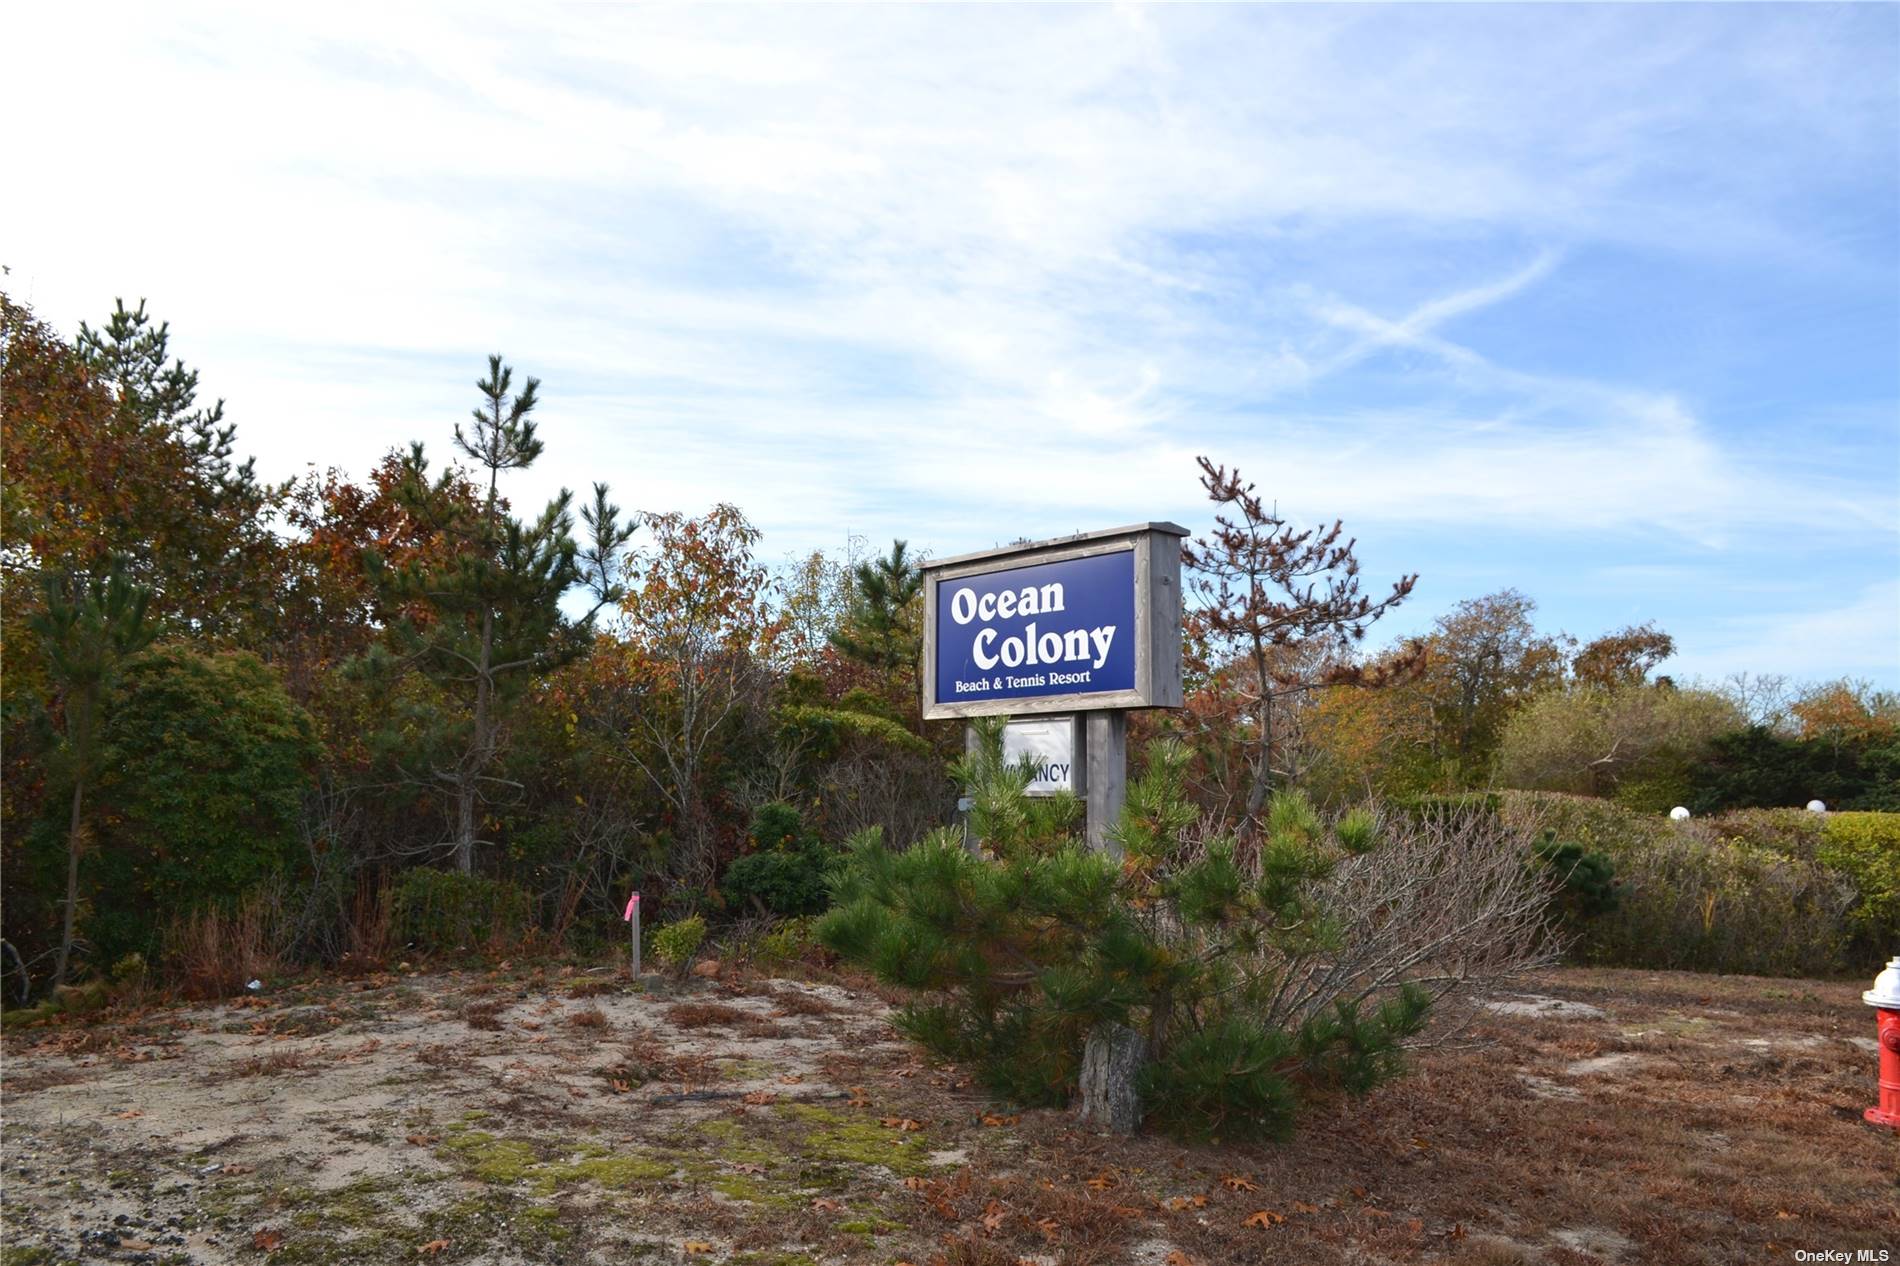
1029, 648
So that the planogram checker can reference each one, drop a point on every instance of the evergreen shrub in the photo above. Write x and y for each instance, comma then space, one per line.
441, 911
786, 876
1253, 967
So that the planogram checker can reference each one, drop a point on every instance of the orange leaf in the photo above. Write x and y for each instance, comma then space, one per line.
993, 1215
1050, 1228
903, 1125
825, 1204
760, 1097
129, 1113
1178, 1258
1300, 1206
425, 1140
432, 1248
1102, 1181
1239, 1182
266, 1239
1264, 1218
697, 1246
991, 1118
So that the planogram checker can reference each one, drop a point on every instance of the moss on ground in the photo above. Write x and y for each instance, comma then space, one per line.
858, 1140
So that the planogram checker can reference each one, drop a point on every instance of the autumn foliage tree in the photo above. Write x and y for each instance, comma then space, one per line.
1278, 610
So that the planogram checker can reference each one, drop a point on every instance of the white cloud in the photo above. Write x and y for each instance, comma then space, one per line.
888, 269
1858, 637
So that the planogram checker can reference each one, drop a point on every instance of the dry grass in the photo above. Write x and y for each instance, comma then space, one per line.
274, 1064
703, 1015
1709, 1121
484, 1015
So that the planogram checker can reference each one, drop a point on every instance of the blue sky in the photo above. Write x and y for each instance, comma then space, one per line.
1598, 302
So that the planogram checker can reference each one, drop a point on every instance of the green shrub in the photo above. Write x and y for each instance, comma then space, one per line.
787, 876
676, 944
787, 884
1751, 891
441, 911
785, 942
1586, 882
1222, 957
1695, 901
206, 760
1866, 848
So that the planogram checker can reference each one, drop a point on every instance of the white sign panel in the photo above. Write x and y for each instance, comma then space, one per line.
1050, 743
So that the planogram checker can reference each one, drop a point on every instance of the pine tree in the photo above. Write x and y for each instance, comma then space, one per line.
881, 627
491, 618
88, 628
1286, 607
1035, 943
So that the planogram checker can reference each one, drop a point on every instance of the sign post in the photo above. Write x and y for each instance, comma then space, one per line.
1086, 625
632, 916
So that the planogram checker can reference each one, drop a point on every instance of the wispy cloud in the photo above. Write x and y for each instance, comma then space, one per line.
962, 274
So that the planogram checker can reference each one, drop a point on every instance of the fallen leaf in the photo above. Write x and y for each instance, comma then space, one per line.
1178, 1258
749, 1167
791, 1079
1264, 1218
1179, 1203
432, 1248
267, 1239
697, 1246
759, 1098
1784, 1216
1415, 1226
993, 1216
136, 1246
425, 1140
1239, 1182
1050, 1228
1300, 1206
1102, 1181
992, 1119
129, 1113
903, 1125
1359, 1193
1457, 1232
621, 1087
916, 1184
825, 1204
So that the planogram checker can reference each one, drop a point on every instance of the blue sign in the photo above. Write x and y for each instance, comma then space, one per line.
1049, 629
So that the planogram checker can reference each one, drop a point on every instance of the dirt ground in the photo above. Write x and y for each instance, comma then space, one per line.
524, 1116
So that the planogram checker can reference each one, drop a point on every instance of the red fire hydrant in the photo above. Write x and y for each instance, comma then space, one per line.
1886, 996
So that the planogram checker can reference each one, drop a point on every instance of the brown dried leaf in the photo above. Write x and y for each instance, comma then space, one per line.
425, 1140
432, 1248
1240, 1182
267, 1239
1264, 1218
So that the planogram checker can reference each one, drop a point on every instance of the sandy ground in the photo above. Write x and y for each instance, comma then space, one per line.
1609, 1117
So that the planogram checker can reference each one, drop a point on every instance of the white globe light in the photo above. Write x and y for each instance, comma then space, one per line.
1678, 814
1815, 806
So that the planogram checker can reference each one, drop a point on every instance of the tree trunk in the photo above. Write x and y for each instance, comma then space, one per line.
477, 759
1111, 1062
72, 881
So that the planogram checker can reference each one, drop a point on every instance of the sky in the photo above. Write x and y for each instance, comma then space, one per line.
1601, 303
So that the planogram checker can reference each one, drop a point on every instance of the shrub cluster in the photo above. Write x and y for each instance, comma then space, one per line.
1252, 969
440, 911
785, 874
